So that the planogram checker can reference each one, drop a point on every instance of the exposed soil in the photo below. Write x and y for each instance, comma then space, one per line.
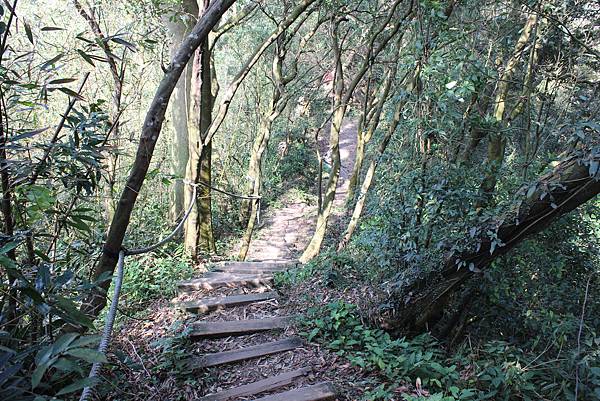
286, 231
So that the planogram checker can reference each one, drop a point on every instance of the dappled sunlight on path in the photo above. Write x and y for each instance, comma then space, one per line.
285, 232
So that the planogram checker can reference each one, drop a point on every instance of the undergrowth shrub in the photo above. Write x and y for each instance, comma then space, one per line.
152, 276
496, 370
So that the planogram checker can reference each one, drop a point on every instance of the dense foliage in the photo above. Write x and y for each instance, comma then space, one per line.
468, 113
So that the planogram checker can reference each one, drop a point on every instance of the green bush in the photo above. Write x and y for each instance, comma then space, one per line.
151, 276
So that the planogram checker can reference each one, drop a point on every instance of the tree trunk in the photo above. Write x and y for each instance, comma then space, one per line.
150, 133
340, 105
368, 129
366, 185
573, 182
180, 107
339, 110
198, 227
497, 140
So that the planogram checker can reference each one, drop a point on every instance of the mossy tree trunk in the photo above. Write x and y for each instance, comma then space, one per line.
498, 139
178, 29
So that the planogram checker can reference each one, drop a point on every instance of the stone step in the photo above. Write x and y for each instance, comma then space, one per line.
318, 392
237, 327
242, 354
210, 281
206, 305
269, 384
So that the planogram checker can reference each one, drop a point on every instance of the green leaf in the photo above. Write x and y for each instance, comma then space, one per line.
71, 93
83, 341
68, 366
125, 43
78, 385
61, 81
28, 32
52, 61
86, 57
38, 373
51, 28
63, 342
88, 355
73, 313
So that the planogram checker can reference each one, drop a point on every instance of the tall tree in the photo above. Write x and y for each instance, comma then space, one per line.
341, 98
150, 133
193, 227
180, 22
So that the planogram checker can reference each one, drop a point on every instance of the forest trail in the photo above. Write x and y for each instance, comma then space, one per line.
286, 231
246, 340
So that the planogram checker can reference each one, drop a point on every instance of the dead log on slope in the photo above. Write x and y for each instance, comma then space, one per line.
573, 182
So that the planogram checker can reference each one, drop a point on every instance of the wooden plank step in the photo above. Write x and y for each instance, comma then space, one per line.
237, 327
253, 267
224, 280
317, 392
242, 354
234, 275
210, 304
269, 384
265, 263
235, 269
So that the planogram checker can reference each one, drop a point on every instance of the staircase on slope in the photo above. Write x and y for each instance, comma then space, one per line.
237, 275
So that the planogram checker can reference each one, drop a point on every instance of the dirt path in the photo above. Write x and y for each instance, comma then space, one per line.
286, 231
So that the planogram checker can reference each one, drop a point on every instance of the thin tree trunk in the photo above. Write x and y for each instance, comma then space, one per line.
368, 129
117, 76
368, 180
497, 140
180, 107
340, 105
150, 134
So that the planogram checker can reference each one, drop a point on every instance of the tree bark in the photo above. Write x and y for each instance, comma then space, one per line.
150, 133
180, 106
497, 140
198, 228
573, 182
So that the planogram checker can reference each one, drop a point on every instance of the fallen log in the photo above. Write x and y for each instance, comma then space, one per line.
574, 181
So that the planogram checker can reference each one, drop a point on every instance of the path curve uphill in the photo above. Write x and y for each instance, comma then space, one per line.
286, 231
245, 342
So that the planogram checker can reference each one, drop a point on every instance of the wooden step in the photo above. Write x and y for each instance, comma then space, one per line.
317, 392
269, 384
210, 304
216, 280
234, 269
273, 263
237, 327
255, 351
253, 267
235, 275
